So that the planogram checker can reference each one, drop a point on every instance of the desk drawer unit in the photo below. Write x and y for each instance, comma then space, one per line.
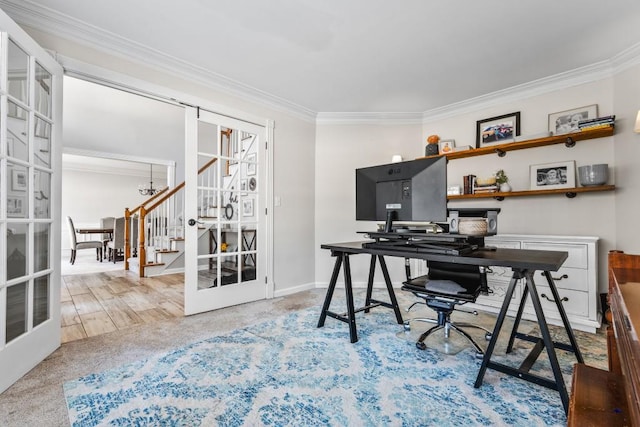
576, 281
498, 279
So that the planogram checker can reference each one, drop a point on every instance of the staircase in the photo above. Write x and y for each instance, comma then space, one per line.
154, 230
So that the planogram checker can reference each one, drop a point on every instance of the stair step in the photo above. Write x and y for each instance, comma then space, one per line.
167, 251
153, 264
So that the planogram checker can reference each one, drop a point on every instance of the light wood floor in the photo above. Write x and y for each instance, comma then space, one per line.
94, 304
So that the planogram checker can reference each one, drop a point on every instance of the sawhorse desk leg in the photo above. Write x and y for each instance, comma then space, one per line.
540, 343
342, 259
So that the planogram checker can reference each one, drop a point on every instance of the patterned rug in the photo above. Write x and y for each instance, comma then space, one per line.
287, 372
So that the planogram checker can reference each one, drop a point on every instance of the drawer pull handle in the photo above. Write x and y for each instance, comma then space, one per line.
565, 299
564, 276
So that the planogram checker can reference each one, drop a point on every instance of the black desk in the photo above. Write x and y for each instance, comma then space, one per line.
523, 262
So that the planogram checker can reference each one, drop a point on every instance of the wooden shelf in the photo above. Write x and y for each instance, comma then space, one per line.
501, 149
569, 192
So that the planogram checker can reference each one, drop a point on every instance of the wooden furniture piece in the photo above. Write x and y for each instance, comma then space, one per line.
501, 149
577, 279
523, 262
612, 398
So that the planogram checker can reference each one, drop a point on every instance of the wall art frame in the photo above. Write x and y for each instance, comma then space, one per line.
549, 176
497, 130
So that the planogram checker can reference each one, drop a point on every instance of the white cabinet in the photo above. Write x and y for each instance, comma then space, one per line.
576, 280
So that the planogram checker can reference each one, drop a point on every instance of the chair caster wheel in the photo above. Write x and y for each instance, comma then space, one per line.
488, 336
406, 326
421, 345
479, 355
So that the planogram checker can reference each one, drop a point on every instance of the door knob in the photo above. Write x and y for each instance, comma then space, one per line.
193, 222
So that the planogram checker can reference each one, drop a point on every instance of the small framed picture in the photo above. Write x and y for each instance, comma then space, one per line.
567, 121
247, 207
18, 180
16, 206
549, 176
497, 130
243, 185
446, 146
251, 165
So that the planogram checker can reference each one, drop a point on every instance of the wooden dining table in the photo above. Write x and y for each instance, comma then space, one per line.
94, 230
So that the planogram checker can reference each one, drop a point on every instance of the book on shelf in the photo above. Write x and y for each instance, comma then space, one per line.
597, 123
597, 126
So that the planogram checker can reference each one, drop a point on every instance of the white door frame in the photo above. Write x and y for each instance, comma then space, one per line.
96, 74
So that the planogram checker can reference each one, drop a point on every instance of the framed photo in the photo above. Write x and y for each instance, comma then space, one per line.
247, 207
497, 130
446, 146
548, 176
567, 121
243, 185
15, 206
251, 166
19, 180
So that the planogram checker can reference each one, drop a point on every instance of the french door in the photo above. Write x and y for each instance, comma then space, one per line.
30, 156
226, 236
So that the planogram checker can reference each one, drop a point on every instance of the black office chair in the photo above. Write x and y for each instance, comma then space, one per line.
446, 286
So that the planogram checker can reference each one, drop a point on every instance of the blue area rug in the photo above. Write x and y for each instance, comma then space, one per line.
288, 372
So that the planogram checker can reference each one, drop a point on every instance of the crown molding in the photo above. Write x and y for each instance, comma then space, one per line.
54, 23
369, 118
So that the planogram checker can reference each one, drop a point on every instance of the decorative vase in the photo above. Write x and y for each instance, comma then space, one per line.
431, 150
505, 187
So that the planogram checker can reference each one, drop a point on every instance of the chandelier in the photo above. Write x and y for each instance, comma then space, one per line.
148, 191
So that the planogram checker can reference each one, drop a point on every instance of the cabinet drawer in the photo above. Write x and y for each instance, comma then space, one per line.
507, 244
566, 278
496, 297
577, 253
577, 303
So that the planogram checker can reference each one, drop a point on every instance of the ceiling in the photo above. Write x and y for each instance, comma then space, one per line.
352, 56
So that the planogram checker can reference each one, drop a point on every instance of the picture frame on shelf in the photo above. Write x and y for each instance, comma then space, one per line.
16, 206
497, 130
19, 180
446, 146
566, 121
549, 176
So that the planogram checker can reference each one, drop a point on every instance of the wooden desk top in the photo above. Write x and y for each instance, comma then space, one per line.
513, 258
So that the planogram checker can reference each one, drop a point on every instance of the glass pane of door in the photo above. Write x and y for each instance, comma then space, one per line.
229, 204
30, 94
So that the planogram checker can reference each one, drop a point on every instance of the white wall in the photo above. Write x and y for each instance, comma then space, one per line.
627, 156
292, 148
88, 196
341, 149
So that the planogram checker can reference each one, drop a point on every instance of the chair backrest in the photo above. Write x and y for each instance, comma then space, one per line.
470, 277
133, 232
118, 233
72, 233
107, 222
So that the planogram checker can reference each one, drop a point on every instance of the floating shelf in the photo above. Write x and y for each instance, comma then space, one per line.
501, 149
569, 192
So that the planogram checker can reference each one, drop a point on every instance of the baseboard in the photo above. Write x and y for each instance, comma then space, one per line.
293, 290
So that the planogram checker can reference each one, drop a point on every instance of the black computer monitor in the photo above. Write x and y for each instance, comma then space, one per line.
407, 191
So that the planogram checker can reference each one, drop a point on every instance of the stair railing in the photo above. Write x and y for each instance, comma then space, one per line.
159, 220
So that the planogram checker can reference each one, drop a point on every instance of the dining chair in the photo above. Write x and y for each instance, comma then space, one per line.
106, 222
116, 244
87, 244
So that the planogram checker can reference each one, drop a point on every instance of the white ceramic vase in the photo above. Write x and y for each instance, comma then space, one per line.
505, 187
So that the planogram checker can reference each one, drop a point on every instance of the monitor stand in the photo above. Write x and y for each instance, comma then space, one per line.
388, 224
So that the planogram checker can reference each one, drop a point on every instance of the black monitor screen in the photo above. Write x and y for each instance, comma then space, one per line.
408, 191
